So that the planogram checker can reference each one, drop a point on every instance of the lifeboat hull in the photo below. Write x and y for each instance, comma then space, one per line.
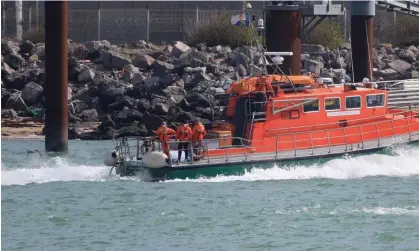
237, 164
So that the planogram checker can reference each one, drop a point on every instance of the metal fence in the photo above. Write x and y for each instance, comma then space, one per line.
127, 24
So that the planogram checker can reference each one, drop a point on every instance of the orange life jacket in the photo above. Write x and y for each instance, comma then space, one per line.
199, 132
164, 132
184, 133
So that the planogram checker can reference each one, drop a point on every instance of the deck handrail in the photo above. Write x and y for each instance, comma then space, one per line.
330, 145
408, 118
347, 127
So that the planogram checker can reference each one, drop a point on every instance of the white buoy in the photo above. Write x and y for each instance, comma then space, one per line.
278, 60
154, 160
111, 158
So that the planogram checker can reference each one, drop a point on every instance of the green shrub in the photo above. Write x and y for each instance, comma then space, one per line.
328, 34
218, 30
406, 30
36, 35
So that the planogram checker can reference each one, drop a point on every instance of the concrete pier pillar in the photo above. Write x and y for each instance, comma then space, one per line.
283, 35
362, 39
56, 74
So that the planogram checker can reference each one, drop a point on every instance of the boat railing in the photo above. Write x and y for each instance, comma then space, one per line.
126, 150
359, 132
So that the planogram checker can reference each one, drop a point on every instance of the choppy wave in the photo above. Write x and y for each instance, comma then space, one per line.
390, 211
54, 169
404, 163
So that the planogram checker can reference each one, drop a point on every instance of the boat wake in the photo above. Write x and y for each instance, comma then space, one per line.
54, 169
403, 162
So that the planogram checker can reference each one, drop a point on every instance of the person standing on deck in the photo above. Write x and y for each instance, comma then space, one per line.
163, 134
184, 133
198, 134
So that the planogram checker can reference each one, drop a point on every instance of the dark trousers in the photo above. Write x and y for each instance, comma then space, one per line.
183, 147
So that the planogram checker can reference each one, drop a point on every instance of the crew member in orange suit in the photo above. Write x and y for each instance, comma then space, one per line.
198, 134
264, 85
184, 133
163, 134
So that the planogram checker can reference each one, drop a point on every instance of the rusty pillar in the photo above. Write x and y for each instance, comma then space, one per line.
283, 35
362, 38
56, 76
362, 41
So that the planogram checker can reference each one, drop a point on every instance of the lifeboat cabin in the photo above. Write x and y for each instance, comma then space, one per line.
291, 114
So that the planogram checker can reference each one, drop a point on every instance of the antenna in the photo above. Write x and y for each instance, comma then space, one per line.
264, 53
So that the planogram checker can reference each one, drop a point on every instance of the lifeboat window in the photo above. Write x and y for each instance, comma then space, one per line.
312, 106
331, 104
375, 100
353, 102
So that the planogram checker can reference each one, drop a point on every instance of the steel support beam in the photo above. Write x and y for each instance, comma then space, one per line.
362, 39
56, 74
311, 28
283, 34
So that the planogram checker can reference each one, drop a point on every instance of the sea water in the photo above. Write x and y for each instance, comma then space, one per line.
365, 202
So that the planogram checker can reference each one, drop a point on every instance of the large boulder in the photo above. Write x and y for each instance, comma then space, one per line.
5, 94
6, 69
15, 61
121, 103
74, 68
94, 47
113, 60
178, 49
152, 83
193, 58
108, 91
387, 74
19, 79
129, 72
169, 79
160, 68
175, 92
133, 130
82, 94
143, 105
152, 121
106, 123
32, 93
406, 55
39, 50
9, 47
399, 66
128, 116
86, 75
80, 106
143, 61
89, 115
240, 59
8, 114
197, 99
77, 50
16, 102
137, 78
313, 66
26, 46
